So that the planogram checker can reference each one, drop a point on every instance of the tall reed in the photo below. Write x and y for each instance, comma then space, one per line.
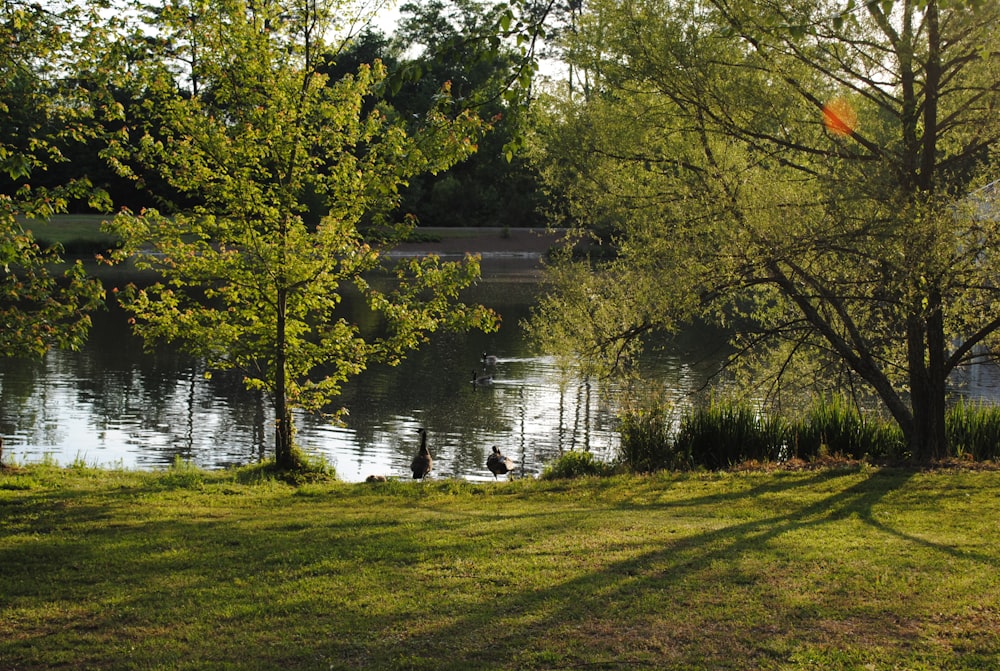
973, 431
725, 433
834, 425
645, 439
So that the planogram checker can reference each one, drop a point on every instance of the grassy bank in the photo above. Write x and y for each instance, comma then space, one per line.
835, 569
79, 235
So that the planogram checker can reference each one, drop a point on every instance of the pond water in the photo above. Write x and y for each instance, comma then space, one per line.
112, 404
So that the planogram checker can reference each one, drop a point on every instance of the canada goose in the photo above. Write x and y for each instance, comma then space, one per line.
421, 464
481, 380
489, 359
498, 463
376, 478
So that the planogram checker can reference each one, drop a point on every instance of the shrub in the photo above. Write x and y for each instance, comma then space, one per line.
575, 465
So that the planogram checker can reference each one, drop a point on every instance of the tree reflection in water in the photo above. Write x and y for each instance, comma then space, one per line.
113, 404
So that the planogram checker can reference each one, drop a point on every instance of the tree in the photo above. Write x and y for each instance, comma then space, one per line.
46, 112
798, 172
459, 42
248, 284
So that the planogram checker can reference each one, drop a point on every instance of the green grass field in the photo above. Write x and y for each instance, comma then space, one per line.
79, 235
70, 229
82, 232
183, 569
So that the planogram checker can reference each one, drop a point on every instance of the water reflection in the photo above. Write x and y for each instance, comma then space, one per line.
114, 404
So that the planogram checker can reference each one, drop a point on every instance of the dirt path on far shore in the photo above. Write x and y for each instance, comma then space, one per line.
484, 241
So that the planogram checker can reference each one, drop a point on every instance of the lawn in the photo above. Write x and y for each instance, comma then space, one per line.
81, 235
72, 231
858, 568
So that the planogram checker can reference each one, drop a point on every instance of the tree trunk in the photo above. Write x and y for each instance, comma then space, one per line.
929, 418
928, 440
937, 440
283, 430
928, 377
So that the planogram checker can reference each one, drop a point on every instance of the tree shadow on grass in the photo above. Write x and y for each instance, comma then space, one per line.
629, 613
650, 580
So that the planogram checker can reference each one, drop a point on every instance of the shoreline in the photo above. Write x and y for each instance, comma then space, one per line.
527, 243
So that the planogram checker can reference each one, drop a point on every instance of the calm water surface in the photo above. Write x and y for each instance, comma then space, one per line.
113, 404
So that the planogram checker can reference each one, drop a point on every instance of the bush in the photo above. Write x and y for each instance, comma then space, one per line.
575, 465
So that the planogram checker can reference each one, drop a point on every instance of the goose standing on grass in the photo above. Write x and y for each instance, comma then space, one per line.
498, 463
489, 359
481, 380
421, 464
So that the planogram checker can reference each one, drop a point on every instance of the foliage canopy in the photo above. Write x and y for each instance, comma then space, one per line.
47, 108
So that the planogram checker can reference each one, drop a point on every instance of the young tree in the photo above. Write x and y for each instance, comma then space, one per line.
799, 172
248, 284
45, 111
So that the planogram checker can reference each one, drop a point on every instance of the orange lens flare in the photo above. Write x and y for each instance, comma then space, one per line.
839, 117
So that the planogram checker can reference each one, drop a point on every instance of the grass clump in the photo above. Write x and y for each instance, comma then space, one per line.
306, 468
576, 464
183, 473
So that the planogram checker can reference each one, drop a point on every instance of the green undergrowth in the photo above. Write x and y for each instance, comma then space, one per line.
724, 433
856, 568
